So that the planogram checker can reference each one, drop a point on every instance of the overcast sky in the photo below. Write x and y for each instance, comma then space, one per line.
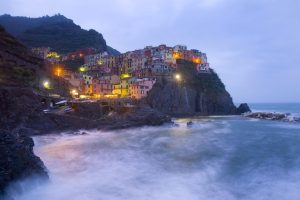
252, 44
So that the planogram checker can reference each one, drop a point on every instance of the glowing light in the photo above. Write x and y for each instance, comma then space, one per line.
82, 69
58, 71
176, 55
97, 95
46, 84
111, 96
197, 60
74, 92
125, 76
177, 77
53, 54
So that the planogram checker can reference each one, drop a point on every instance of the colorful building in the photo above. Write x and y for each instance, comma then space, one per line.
141, 87
102, 86
88, 81
119, 74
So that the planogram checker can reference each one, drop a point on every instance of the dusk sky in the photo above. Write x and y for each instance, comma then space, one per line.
252, 44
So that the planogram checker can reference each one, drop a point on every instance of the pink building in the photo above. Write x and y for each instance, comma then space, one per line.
140, 88
102, 87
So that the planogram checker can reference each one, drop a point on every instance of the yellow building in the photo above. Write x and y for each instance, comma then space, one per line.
122, 89
117, 90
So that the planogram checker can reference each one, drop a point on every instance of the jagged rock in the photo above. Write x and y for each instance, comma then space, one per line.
18, 103
286, 117
267, 115
243, 108
17, 159
297, 119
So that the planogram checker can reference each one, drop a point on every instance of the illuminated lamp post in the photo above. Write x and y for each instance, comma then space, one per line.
177, 77
58, 71
46, 84
82, 69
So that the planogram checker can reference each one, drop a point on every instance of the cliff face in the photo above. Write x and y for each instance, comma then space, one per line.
17, 159
18, 69
194, 94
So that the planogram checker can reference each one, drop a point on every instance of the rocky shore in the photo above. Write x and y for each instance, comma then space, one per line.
22, 116
285, 117
17, 160
22, 102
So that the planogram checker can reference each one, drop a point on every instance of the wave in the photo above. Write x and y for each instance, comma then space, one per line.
213, 159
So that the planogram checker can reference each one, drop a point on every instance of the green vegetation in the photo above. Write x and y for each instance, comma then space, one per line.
23, 74
57, 32
63, 37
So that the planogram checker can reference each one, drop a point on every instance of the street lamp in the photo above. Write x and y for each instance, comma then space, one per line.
58, 71
177, 77
82, 69
46, 84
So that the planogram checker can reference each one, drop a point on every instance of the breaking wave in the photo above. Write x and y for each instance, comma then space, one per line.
216, 158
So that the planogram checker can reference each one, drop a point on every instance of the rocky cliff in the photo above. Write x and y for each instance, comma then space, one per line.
17, 160
194, 94
18, 71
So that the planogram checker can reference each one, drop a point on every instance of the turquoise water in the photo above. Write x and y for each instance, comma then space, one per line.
217, 158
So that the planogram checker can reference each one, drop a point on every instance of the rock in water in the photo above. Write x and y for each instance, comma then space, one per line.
243, 108
17, 160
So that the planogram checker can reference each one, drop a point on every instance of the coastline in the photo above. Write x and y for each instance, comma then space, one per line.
273, 116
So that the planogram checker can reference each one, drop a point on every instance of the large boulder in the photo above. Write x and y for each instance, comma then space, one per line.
17, 160
243, 108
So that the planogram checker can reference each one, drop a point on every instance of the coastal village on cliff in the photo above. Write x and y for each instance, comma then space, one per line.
131, 74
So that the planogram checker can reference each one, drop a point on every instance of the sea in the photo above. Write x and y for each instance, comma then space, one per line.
217, 158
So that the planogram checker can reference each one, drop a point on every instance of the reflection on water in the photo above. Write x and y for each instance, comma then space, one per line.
217, 158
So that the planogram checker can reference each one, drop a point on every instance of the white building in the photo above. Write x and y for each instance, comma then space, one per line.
180, 48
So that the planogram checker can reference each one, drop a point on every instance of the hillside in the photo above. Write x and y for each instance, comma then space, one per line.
17, 65
57, 32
